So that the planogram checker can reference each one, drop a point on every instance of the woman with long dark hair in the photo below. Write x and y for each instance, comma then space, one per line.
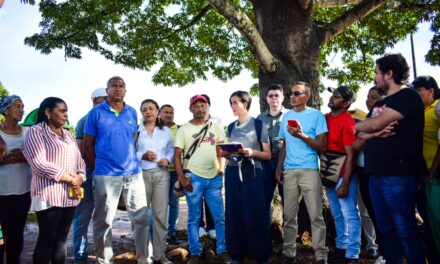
15, 178
155, 150
57, 174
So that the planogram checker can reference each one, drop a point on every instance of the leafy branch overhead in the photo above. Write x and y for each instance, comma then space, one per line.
186, 40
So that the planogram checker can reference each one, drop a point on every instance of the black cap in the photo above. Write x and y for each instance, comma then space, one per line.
343, 91
425, 81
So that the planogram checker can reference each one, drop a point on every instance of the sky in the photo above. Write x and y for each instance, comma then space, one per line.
34, 76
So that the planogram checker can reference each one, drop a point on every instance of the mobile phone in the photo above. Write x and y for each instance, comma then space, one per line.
72, 193
293, 123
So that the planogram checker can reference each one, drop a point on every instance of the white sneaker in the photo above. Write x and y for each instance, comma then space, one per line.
202, 232
212, 234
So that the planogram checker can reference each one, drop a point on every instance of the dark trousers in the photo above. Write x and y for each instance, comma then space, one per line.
54, 224
208, 215
270, 184
13, 213
364, 181
432, 254
247, 227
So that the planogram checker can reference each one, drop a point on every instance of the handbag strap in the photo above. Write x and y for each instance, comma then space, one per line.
197, 140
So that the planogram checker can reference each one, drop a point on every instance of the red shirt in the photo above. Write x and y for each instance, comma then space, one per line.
340, 132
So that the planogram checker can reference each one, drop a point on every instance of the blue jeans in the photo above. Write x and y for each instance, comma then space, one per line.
394, 201
347, 219
173, 203
211, 190
82, 218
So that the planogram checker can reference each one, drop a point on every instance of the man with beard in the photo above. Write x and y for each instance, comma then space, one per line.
343, 197
394, 159
201, 175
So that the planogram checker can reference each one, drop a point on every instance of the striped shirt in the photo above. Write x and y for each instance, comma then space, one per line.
50, 156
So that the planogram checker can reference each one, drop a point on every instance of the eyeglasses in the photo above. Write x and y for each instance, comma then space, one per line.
296, 94
273, 95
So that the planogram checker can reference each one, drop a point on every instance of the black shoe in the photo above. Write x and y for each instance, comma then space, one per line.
372, 253
172, 240
288, 260
337, 256
196, 259
351, 261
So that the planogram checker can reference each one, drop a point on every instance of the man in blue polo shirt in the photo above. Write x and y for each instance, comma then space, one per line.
109, 147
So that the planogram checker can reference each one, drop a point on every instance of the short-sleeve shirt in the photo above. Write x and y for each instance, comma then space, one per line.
340, 133
401, 154
430, 139
246, 134
79, 130
115, 153
203, 161
273, 124
299, 155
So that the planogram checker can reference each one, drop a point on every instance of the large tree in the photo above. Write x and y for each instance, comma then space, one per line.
278, 41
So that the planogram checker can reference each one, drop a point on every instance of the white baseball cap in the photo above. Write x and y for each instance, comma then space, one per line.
100, 92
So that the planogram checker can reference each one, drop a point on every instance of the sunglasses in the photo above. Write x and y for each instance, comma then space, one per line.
273, 95
296, 94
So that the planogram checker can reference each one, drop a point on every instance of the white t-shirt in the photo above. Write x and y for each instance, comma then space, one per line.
15, 178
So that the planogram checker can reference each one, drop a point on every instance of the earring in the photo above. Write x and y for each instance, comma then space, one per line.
48, 117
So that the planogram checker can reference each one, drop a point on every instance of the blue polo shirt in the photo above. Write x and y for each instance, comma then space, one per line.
299, 155
115, 153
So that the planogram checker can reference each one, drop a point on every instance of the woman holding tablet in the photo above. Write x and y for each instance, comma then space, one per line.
247, 221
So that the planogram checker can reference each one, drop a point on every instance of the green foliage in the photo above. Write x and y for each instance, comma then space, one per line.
367, 38
188, 39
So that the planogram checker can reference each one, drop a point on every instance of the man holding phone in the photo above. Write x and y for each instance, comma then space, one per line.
304, 132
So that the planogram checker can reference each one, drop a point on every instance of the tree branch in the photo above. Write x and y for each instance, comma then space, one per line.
191, 23
355, 14
248, 30
339, 3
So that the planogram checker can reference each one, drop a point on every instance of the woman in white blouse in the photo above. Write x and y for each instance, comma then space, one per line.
15, 178
155, 150
57, 174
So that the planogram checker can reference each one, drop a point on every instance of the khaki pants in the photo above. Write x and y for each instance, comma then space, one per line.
307, 184
157, 183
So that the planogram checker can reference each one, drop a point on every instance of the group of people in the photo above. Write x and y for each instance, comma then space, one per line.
376, 173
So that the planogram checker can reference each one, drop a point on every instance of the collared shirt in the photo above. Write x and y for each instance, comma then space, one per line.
50, 156
273, 124
160, 143
430, 139
115, 153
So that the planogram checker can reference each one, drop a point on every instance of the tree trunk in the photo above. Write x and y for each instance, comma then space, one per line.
289, 34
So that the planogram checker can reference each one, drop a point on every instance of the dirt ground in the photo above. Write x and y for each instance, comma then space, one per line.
123, 244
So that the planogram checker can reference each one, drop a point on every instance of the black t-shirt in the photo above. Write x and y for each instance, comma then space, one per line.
401, 154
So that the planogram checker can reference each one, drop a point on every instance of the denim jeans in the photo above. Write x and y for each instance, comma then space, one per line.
173, 203
106, 192
82, 218
394, 201
211, 190
346, 217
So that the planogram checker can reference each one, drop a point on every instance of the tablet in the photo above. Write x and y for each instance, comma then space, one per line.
232, 147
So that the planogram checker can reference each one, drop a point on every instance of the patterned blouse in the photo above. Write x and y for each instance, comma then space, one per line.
50, 156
